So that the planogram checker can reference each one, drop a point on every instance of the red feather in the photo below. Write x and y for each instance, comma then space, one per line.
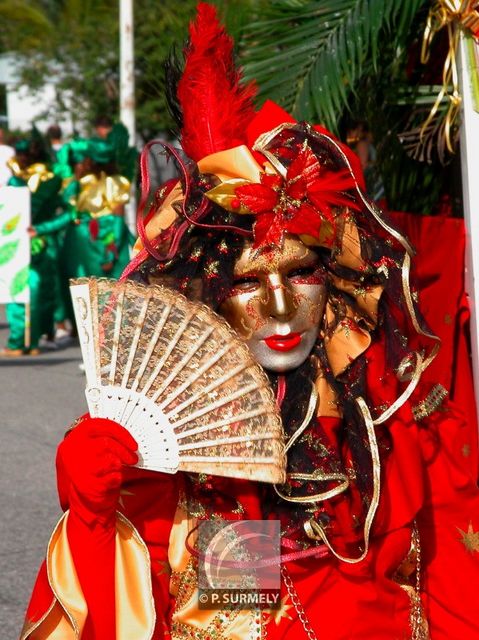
216, 107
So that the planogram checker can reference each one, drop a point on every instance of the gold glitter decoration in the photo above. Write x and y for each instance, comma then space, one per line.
431, 403
470, 538
276, 615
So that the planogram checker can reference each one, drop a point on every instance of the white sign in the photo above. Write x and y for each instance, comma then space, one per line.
14, 244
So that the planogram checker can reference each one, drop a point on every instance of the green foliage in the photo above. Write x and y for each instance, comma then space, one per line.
336, 62
77, 43
310, 55
158, 28
25, 21
409, 185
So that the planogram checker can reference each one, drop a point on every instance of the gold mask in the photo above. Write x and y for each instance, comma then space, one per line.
277, 302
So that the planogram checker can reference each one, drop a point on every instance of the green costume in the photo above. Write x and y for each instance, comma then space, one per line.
98, 243
45, 200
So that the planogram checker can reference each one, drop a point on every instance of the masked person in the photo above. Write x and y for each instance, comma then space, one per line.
270, 227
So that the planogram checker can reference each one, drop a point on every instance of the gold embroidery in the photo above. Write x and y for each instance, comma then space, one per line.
431, 403
277, 615
315, 531
466, 450
470, 538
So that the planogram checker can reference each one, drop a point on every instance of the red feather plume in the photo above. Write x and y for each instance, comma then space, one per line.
216, 107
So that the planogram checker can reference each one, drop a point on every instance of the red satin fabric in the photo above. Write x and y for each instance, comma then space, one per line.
438, 276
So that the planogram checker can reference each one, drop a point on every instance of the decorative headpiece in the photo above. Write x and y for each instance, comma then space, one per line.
36, 170
263, 175
102, 151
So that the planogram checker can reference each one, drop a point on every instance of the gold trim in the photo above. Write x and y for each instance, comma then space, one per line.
405, 395
317, 475
315, 531
306, 420
29, 627
57, 532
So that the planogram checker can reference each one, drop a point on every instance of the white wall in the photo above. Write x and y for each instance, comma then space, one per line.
24, 107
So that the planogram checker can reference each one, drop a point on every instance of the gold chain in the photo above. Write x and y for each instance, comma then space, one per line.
419, 629
297, 604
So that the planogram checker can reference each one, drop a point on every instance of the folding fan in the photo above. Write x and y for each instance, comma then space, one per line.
179, 379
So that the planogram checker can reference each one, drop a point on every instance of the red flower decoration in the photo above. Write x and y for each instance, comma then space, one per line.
298, 204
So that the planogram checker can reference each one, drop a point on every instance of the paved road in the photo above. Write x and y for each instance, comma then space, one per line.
39, 398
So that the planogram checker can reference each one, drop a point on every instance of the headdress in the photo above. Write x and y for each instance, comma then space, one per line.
261, 175
37, 171
113, 148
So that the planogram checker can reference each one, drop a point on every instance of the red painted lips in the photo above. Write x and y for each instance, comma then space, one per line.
283, 343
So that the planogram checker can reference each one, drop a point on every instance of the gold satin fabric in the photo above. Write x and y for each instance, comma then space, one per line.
135, 611
66, 618
188, 621
33, 175
135, 607
101, 196
236, 163
163, 217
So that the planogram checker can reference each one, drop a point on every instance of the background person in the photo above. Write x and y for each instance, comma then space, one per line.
29, 167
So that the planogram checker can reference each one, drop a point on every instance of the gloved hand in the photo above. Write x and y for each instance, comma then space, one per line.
90, 461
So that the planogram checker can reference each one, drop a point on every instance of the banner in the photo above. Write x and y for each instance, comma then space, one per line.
14, 244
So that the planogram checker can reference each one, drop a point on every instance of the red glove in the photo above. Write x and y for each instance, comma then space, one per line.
90, 461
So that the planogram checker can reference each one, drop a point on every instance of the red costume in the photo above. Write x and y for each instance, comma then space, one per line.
394, 555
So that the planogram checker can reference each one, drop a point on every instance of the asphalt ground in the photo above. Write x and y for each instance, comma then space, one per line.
40, 396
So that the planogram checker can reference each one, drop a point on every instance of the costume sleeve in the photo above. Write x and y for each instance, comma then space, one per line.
110, 583
56, 224
16, 181
61, 609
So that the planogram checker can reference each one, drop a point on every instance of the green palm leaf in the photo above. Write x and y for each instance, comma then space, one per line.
22, 21
309, 55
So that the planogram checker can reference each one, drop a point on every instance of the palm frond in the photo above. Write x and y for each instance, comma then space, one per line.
309, 55
24, 25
